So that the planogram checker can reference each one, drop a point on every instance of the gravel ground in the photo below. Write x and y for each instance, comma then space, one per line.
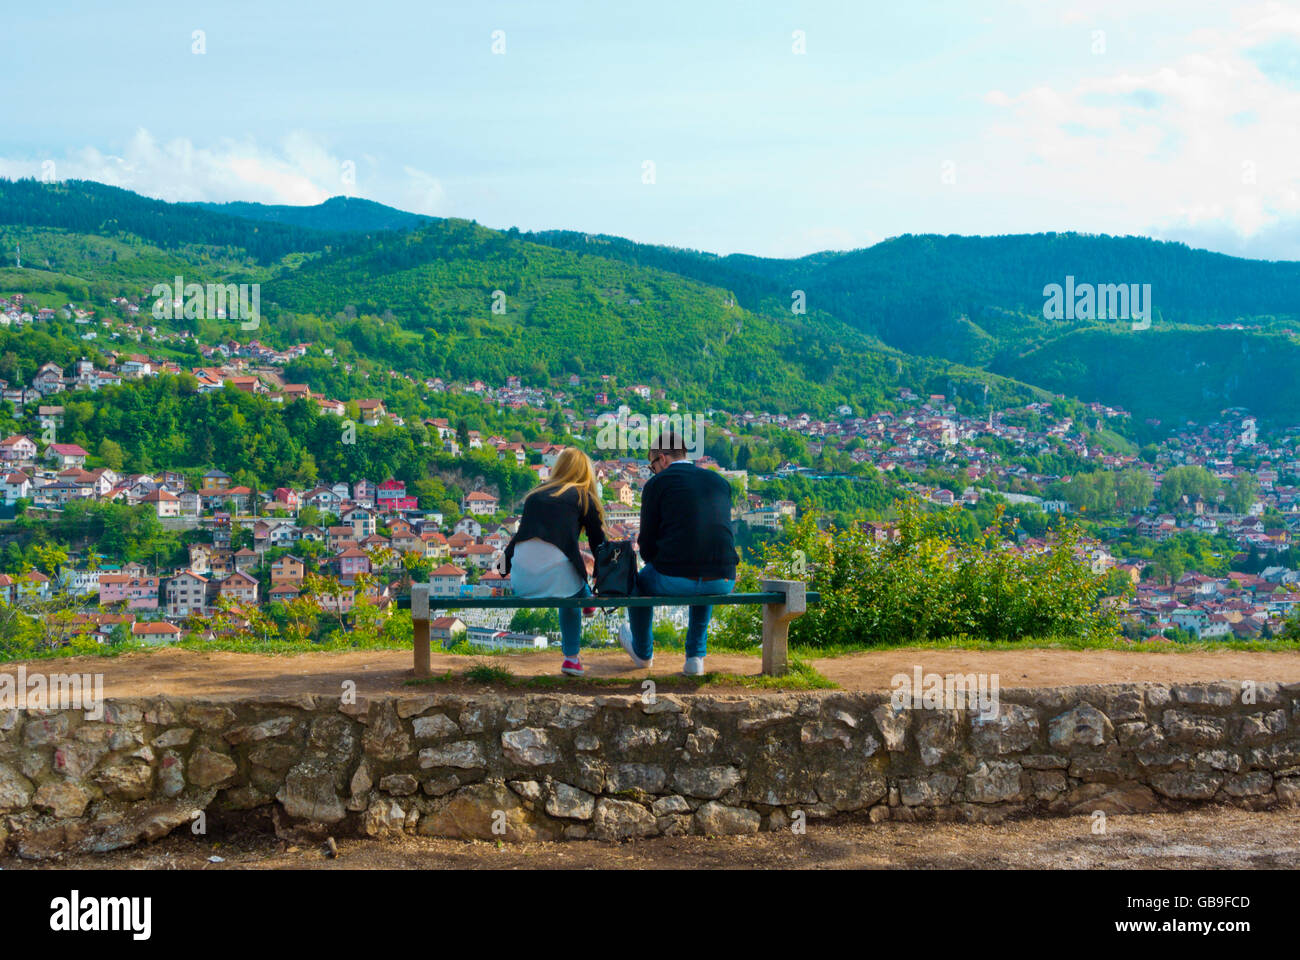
1205, 839
221, 674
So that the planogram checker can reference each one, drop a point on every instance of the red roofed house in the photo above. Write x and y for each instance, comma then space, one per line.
17, 449
446, 630
138, 593
479, 503
287, 497
446, 581
351, 562
155, 631
66, 454
435, 544
164, 503
16, 486
372, 411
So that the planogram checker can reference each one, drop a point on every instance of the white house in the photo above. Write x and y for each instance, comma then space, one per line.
446, 581
16, 486
17, 449
470, 526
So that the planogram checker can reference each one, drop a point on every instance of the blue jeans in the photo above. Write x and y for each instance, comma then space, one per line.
650, 582
571, 626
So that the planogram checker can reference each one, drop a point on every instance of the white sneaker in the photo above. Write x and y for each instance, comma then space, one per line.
694, 667
625, 638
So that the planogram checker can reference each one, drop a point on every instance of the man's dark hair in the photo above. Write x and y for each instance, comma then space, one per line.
670, 442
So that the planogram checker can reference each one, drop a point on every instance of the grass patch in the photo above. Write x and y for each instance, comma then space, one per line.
90, 648
489, 673
802, 676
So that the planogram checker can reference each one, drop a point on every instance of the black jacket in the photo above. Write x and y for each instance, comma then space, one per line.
686, 524
555, 518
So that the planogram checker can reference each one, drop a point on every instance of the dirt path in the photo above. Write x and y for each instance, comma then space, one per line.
1209, 838
217, 674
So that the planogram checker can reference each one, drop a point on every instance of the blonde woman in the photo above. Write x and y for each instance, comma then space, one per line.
542, 557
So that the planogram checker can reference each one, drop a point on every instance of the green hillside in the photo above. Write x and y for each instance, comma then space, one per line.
937, 314
337, 214
85, 207
563, 313
422, 302
979, 301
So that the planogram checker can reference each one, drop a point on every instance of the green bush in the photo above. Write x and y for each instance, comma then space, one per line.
928, 584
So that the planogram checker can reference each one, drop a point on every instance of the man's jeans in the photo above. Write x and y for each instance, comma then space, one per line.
650, 582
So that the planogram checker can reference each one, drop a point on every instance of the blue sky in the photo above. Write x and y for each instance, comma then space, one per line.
1174, 120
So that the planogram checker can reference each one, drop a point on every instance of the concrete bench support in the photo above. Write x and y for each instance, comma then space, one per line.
776, 624
420, 625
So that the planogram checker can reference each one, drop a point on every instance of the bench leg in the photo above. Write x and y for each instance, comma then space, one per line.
421, 637
776, 638
776, 625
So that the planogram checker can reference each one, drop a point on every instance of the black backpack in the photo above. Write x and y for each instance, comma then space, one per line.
615, 574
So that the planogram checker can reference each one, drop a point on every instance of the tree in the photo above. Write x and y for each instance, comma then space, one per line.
1170, 560
110, 452
1187, 481
1241, 493
48, 558
1134, 489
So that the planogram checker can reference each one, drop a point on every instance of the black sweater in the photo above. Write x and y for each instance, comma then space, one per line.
555, 518
686, 524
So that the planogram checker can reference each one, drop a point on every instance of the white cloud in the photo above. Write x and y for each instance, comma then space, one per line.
422, 193
302, 171
1201, 144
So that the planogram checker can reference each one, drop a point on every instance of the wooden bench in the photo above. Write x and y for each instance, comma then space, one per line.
782, 600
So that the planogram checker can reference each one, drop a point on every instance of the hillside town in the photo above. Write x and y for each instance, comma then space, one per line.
373, 529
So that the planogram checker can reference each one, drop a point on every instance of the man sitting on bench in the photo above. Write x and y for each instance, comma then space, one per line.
687, 547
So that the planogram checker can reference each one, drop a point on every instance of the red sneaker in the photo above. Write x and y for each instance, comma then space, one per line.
573, 668
588, 611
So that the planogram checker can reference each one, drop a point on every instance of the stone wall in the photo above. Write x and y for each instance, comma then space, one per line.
610, 767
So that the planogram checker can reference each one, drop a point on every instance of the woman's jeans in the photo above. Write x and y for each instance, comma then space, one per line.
571, 626
650, 582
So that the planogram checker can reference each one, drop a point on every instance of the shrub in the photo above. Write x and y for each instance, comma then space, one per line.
927, 584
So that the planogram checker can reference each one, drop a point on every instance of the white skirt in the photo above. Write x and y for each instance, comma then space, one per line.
540, 569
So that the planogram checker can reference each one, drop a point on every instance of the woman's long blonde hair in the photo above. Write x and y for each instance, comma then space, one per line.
573, 469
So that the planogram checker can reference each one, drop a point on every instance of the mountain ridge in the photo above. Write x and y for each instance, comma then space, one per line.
915, 307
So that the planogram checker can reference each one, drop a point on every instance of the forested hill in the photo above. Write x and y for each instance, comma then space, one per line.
464, 301
425, 302
337, 214
85, 207
746, 277
885, 287
881, 287
934, 313
978, 301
